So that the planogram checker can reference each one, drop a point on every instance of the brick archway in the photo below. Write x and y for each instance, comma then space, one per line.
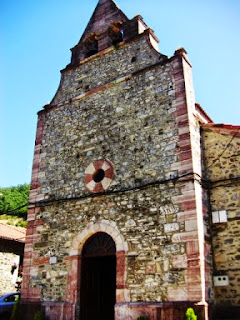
73, 286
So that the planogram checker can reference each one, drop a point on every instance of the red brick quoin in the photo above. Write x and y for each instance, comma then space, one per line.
99, 175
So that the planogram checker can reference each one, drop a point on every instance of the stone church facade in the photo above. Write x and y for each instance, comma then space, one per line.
131, 212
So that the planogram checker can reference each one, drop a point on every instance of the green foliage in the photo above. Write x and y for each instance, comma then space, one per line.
14, 221
190, 314
38, 315
141, 318
22, 224
17, 312
13, 198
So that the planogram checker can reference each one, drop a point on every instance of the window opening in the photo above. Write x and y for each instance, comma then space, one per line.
99, 244
91, 44
115, 32
99, 175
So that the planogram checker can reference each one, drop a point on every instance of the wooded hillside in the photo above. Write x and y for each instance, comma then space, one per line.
14, 202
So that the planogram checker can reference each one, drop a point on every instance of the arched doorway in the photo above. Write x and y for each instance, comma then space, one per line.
98, 278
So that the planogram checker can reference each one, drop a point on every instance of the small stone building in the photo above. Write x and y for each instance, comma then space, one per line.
12, 240
221, 175
134, 202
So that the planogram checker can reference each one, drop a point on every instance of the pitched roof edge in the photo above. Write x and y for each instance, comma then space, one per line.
12, 233
202, 116
223, 128
21, 240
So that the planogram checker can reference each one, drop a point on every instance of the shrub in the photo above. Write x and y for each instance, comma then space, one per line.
190, 315
141, 318
38, 315
16, 313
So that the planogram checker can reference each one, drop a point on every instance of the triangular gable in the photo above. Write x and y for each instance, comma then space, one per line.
105, 13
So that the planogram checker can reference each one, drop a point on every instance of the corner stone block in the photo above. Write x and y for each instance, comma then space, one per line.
191, 225
185, 236
194, 292
192, 247
188, 205
178, 294
183, 216
122, 295
179, 261
35, 294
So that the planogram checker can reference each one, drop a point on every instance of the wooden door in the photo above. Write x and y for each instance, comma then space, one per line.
98, 278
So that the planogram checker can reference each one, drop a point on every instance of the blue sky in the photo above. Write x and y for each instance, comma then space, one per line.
36, 37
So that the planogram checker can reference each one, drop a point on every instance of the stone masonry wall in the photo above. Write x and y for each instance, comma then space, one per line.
135, 115
222, 158
148, 220
117, 125
8, 280
94, 72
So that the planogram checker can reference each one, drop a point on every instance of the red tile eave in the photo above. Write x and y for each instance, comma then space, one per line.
12, 239
8, 232
223, 128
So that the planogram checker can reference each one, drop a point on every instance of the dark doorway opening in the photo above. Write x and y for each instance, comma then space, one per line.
98, 278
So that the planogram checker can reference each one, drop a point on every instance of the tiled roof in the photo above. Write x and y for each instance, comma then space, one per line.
12, 233
223, 128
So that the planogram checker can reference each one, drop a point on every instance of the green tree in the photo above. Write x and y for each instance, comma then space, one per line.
13, 200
